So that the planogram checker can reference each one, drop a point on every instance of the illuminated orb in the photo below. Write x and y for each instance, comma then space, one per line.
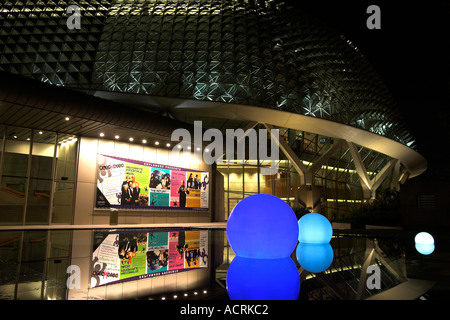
263, 279
314, 257
424, 243
314, 228
262, 226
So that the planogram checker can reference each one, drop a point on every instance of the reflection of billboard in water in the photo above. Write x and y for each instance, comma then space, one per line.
123, 256
125, 183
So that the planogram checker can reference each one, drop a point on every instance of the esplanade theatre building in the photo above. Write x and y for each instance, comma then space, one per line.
89, 99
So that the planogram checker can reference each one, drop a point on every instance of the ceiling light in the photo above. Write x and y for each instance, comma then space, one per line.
15, 137
189, 148
102, 134
168, 144
144, 141
131, 139
198, 149
67, 118
40, 132
116, 136
157, 143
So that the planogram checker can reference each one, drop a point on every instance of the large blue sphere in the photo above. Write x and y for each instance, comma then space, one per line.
262, 226
314, 257
263, 279
314, 228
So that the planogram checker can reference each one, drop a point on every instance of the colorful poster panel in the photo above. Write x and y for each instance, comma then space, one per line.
111, 173
157, 252
135, 186
106, 262
132, 254
176, 250
178, 189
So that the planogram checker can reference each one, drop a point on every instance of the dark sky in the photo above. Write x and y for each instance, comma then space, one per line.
411, 54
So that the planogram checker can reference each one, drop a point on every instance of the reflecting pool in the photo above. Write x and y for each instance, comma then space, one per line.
194, 264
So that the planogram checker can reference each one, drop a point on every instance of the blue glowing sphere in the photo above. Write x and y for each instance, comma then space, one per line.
314, 257
262, 226
263, 279
314, 228
425, 249
424, 243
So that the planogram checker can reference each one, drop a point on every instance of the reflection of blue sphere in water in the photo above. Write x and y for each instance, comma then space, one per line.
424, 243
262, 226
263, 279
314, 228
314, 257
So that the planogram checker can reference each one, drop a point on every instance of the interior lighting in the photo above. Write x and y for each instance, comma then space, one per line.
40, 132
168, 144
157, 143
67, 118
102, 134
262, 226
131, 139
144, 141
116, 136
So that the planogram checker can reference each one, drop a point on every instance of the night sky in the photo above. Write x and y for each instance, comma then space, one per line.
411, 54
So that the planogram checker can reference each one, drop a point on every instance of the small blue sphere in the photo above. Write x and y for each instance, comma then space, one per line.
263, 279
262, 226
314, 257
314, 228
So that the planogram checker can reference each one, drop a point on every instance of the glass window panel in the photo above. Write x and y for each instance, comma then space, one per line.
32, 265
42, 154
63, 202
60, 241
66, 157
38, 201
9, 260
12, 200
17, 149
55, 284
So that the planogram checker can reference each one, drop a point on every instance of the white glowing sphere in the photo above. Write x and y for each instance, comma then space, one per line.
424, 238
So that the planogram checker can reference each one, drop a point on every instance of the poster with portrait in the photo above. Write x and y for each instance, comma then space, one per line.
157, 252
132, 184
126, 255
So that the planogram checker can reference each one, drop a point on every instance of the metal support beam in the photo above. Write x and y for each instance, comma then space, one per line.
289, 153
369, 186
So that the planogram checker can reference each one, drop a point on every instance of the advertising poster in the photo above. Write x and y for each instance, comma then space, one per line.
203, 260
126, 256
157, 251
132, 254
125, 183
111, 173
106, 263
132, 193
204, 190
178, 189
192, 251
176, 250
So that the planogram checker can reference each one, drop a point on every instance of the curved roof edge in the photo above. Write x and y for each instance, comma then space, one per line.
413, 161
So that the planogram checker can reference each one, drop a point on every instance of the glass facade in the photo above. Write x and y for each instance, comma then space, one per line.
337, 180
37, 176
259, 53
